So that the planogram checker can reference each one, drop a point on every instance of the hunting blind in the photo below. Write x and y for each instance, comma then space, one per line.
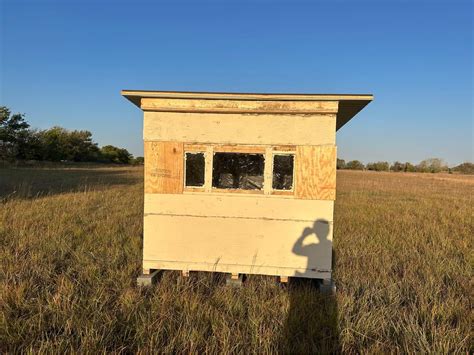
241, 183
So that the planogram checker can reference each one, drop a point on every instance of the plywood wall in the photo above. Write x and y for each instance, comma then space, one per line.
315, 174
315, 169
262, 129
164, 167
239, 234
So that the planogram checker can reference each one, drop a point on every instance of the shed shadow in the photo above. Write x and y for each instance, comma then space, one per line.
25, 183
311, 325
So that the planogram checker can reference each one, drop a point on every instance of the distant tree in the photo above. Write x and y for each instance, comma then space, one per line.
112, 154
13, 134
32, 147
138, 161
397, 166
53, 143
19, 142
58, 143
464, 168
354, 165
341, 164
378, 166
432, 165
81, 147
409, 167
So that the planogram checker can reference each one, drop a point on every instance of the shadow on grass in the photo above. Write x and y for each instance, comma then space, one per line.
24, 183
311, 323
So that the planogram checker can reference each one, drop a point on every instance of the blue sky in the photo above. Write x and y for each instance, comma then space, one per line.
65, 62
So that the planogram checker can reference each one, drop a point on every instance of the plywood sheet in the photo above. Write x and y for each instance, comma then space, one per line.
316, 172
288, 248
236, 106
238, 206
163, 167
262, 129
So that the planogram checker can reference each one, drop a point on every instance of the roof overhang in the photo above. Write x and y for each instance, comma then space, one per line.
348, 105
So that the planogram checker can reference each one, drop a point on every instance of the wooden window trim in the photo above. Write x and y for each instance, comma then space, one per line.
267, 151
237, 191
244, 149
193, 188
283, 192
284, 152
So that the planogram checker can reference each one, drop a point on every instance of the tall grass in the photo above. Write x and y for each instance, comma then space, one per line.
71, 249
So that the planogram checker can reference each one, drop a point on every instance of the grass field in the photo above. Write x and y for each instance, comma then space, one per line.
71, 249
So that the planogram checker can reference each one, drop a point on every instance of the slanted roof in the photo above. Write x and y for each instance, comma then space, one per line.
349, 104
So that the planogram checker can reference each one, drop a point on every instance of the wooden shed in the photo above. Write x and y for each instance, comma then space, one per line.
241, 183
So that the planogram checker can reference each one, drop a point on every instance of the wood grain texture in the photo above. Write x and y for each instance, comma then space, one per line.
164, 167
283, 192
316, 172
237, 191
284, 148
239, 149
264, 129
195, 147
237, 106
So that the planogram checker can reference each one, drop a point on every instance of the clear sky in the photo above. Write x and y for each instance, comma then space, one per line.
65, 62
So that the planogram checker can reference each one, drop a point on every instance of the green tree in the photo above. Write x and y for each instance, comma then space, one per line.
58, 143
354, 165
397, 167
409, 168
80, 146
341, 164
112, 154
13, 134
464, 168
378, 166
138, 161
432, 165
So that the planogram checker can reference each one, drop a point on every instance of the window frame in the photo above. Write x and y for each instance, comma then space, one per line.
197, 188
268, 153
284, 191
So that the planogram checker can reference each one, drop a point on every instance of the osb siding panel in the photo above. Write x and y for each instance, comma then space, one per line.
163, 167
316, 172
230, 128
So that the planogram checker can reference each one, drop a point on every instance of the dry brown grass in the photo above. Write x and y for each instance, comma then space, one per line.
70, 251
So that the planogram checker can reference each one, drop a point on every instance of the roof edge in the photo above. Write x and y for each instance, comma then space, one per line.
135, 96
349, 104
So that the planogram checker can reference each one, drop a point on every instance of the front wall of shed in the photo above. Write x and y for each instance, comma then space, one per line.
240, 234
232, 232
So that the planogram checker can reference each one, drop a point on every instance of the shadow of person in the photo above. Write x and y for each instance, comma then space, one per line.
311, 322
323, 245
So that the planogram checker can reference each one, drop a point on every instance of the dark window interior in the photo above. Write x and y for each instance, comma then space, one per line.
238, 171
195, 169
283, 172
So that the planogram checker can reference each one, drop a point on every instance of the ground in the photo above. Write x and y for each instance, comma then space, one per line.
70, 243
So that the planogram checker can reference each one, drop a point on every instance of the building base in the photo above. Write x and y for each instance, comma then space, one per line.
148, 279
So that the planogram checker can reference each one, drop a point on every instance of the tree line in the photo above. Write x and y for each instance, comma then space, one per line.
432, 165
18, 141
